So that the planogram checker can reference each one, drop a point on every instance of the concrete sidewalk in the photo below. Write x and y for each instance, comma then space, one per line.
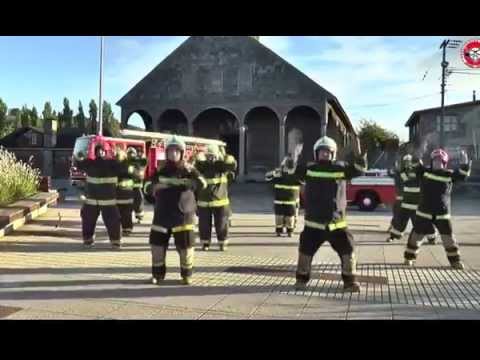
46, 274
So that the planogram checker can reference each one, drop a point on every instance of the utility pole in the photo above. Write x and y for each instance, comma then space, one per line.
444, 68
100, 102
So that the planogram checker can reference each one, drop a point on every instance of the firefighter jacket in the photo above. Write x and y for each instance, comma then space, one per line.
139, 172
407, 185
325, 191
436, 188
216, 176
175, 204
286, 189
126, 182
101, 181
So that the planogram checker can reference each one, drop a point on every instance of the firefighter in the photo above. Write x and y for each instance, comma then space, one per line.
408, 188
101, 188
125, 190
287, 196
140, 163
325, 211
213, 201
436, 184
173, 186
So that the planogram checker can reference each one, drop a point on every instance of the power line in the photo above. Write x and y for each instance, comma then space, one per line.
393, 103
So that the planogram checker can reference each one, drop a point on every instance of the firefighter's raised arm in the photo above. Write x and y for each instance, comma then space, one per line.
463, 171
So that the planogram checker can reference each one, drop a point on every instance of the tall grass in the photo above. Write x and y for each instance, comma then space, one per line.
18, 179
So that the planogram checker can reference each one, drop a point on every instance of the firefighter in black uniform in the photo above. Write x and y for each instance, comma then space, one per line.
287, 196
325, 211
140, 163
213, 201
408, 187
101, 192
125, 190
436, 184
173, 186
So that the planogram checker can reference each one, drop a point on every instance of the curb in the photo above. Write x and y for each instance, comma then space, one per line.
15, 215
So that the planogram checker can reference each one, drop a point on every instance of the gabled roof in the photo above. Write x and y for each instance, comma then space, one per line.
415, 114
10, 139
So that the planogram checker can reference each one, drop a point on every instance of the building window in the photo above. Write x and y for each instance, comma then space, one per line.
450, 124
34, 139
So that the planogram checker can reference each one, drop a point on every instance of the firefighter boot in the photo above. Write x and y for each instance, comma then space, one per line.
290, 232
390, 239
409, 262
353, 287
88, 243
432, 239
187, 280
157, 280
115, 244
300, 285
223, 245
457, 265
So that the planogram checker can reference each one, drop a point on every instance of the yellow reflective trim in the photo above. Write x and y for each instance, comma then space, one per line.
278, 202
214, 181
360, 167
137, 186
125, 183
131, 169
217, 203
324, 174
124, 201
399, 197
465, 173
229, 159
189, 227
404, 176
437, 178
396, 232
453, 253
412, 175
443, 217
409, 206
158, 228
333, 226
147, 184
101, 202
102, 180
411, 189
424, 215
203, 181
171, 181
287, 187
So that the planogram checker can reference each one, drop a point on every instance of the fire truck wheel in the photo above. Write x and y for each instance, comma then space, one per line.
367, 201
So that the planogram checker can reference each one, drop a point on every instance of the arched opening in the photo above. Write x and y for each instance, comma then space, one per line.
173, 121
302, 127
218, 124
262, 141
139, 120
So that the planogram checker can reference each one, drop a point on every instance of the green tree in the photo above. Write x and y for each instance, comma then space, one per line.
111, 126
34, 120
80, 118
47, 112
25, 116
376, 140
6, 125
93, 110
65, 118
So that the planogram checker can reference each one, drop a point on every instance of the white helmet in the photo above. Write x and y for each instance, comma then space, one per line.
325, 142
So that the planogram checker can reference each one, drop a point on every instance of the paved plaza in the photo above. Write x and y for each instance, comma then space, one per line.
46, 274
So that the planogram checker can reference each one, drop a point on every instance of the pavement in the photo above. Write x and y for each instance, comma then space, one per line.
46, 274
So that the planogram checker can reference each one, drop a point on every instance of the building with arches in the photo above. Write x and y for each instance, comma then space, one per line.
235, 89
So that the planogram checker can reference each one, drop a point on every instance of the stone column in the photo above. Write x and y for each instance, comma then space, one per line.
190, 128
241, 155
282, 139
324, 107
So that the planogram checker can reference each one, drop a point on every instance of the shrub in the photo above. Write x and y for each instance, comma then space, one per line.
18, 179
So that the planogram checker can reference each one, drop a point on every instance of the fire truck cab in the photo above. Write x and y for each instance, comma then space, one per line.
85, 146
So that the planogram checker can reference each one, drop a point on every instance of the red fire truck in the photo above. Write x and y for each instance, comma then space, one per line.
371, 190
151, 143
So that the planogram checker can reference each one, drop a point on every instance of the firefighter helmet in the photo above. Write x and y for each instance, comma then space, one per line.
176, 142
440, 153
325, 142
131, 152
213, 150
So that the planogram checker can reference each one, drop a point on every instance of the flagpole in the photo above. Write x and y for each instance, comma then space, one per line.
100, 101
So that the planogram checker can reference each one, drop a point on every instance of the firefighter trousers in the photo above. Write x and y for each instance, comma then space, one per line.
220, 217
401, 217
111, 219
184, 243
138, 201
341, 241
423, 226
126, 216
282, 221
